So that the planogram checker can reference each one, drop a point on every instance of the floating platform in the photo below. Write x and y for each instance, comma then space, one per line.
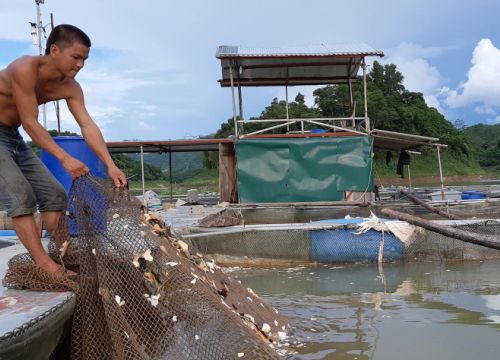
33, 324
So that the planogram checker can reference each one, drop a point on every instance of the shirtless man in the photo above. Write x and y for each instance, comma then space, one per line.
25, 183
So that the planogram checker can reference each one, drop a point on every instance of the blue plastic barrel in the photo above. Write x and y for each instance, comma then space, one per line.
78, 148
472, 195
345, 246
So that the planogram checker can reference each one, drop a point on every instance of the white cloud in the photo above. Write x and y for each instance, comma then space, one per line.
495, 120
484, 109
419, 74
432, 101
101, 84
483, 81
103, 116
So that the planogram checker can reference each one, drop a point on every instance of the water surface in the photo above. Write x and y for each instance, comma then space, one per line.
404, 311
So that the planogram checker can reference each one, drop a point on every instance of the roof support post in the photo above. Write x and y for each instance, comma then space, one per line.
440, 172
367, 120
349, 82
351, 101
240, 96
142, 172
286, 101
231, 78
170, 170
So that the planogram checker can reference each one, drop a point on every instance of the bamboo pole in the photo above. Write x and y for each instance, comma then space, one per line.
427, 206
489, 241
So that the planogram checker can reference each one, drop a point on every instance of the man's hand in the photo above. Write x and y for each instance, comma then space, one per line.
118, 176
74, 167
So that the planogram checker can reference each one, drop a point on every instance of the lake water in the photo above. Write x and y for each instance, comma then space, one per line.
404, 311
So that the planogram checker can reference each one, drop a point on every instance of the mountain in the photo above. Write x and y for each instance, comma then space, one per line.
486, 143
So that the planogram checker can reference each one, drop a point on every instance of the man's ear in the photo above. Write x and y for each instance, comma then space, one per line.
54, 49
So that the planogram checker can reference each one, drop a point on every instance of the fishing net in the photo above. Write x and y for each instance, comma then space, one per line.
433, 246
142, 293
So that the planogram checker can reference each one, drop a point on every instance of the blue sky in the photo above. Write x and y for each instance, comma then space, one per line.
152, 72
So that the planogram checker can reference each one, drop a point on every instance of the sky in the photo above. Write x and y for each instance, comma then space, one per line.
152, 72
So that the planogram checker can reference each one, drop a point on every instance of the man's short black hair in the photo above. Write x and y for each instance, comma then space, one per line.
66, 34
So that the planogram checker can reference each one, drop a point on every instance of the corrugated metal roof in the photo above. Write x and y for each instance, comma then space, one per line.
228, 51
392, 140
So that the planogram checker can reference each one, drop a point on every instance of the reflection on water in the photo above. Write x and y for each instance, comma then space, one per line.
403, 311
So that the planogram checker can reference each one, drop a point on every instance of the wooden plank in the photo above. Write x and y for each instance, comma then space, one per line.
227, 173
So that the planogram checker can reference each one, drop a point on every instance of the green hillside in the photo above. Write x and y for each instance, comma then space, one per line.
185, 165
486, 144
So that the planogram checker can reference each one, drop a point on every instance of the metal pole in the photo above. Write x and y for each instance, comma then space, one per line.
440, 173
286, 102
58, 113
39, 29
351, 102
350, 89
39, 25
367, 121
170, 170
233, 98
286, 105
240, 96
142, 172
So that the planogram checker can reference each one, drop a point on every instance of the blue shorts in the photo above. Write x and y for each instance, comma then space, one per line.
25, 182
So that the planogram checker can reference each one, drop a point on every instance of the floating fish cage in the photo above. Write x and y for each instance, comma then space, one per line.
339, 241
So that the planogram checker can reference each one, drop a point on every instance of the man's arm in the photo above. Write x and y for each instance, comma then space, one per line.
93, 135
23, 77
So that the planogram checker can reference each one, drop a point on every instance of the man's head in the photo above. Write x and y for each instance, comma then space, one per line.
69, 48
65, 35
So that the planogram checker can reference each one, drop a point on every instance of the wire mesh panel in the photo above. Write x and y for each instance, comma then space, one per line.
293, 245
433, 246
142, 292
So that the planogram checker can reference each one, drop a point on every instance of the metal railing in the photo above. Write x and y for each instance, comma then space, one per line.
353, 124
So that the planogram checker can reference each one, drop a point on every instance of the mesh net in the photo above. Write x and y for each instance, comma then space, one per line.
285, 246
433, 246
142, 293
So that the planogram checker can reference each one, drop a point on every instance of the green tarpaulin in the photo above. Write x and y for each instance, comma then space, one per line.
304, 169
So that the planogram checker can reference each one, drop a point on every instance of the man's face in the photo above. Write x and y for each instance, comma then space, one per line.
70, 59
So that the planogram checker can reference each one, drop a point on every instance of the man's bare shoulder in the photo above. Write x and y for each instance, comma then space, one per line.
25, 65
72, 87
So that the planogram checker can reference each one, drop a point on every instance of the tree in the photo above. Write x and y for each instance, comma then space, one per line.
210, 159
275, 110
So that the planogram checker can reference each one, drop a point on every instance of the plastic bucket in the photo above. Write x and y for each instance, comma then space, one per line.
78, 148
